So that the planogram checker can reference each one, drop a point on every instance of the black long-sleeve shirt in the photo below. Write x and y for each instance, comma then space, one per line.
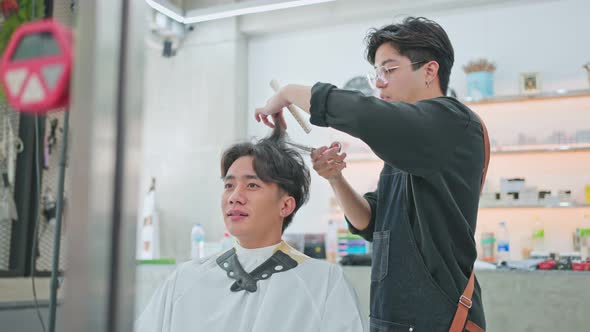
439, 144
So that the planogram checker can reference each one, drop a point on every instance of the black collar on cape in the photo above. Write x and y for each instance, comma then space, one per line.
277, 263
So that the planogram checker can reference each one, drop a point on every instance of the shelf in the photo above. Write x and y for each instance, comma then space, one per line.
574, 147
563, 206
511, 149
532, 97
161, 261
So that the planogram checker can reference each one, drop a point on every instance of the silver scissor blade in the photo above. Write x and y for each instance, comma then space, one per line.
301, 147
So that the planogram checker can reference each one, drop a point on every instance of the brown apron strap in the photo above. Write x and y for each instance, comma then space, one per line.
463, 306
472, 327
465, 303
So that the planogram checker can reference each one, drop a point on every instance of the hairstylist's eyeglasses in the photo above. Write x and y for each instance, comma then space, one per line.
382, 73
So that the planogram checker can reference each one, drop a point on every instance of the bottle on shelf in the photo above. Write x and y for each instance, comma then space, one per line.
538, 236
576, 240
585, 238
487, 247
503, 243
332, 242
197, 242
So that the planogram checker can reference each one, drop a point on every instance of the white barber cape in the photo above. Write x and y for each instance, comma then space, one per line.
312, 296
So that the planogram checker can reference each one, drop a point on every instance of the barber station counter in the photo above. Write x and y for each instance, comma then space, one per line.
519, 300
513, 300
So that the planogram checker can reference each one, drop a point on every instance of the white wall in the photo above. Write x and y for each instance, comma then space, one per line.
546, 37
193, 109
329, 54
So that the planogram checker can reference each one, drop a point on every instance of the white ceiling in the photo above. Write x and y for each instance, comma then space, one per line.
351, 11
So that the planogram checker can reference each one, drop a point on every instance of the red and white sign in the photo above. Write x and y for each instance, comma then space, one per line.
36, 67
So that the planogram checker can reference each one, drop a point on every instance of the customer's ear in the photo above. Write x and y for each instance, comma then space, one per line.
287, 206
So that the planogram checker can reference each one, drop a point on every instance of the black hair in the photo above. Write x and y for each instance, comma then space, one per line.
419, 39
274, 162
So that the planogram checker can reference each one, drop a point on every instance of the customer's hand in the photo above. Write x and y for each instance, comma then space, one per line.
328, 162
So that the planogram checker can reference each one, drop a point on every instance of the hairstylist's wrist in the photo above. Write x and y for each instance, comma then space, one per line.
336, 179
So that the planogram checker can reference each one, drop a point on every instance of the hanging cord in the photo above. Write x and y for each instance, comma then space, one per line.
37, 220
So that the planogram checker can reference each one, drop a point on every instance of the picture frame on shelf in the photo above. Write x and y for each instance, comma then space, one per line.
530, 83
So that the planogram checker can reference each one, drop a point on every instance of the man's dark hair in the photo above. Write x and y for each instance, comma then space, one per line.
419, 39
274, 162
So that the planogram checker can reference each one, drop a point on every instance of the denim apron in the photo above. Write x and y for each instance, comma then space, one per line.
404, 296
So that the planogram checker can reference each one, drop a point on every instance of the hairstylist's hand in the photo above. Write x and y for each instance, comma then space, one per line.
274, 106
328, 162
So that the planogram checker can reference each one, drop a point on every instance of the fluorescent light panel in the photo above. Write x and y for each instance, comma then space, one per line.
166, 10
231, 10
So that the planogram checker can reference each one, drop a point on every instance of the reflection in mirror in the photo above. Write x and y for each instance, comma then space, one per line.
182, 249
217, 74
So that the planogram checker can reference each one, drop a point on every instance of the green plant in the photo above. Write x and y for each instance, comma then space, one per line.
479, 65
12, 22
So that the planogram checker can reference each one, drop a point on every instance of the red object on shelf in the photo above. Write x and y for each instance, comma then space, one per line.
547, 265
36, 66
581, 266
8, 7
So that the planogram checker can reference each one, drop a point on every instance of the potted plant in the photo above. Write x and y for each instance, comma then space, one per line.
480, 78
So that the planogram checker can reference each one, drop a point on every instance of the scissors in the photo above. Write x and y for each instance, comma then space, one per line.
310, 150
305, 148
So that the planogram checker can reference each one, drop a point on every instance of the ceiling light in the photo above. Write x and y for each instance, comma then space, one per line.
229, 10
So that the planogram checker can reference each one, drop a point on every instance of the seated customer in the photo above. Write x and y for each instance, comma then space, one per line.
262, 284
